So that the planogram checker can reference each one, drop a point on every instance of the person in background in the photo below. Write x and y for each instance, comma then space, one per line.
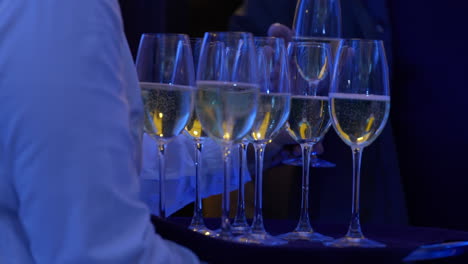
382, 197
70, 140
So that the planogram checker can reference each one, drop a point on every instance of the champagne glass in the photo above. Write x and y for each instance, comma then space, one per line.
309, 118
226, 100
318, 18
359, 105
316, 162
196, 132
240, 225
273, 111
167, 81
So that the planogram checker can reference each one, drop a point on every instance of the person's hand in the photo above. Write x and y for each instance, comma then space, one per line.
280, 31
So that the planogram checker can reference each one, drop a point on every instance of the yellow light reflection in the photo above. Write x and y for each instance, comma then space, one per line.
262, 130
158, 123
370, 122
304, 130
324, 69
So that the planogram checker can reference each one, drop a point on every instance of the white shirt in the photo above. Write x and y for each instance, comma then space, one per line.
69, 139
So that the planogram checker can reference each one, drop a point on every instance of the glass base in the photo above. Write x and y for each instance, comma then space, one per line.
314, 162
218, 233
202, 229
240, 229
307, 236
354, 242
260, 239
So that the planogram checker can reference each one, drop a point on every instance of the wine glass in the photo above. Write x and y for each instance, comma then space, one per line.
239, 224
315, 161
226, 100
317, 18
359, 105
196, 132
309, 119
272, 114
167, 81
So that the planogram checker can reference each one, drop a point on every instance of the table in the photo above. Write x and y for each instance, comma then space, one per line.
400, 241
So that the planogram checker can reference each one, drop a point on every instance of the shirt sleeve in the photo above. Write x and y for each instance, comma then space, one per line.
73, 106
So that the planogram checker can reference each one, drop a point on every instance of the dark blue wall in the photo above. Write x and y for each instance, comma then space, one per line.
430, 66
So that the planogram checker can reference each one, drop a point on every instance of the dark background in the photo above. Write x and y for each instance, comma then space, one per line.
429, 92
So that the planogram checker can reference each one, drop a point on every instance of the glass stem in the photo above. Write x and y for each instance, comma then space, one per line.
257, 223
354, 230
225, 224
304, 221
162, 180
197, 219
240, 219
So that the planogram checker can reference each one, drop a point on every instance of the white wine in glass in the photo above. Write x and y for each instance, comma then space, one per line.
226, 109
226, 99
319, 21
272, 113
167, 109
309, 118
360, 105
360, 117
167, 81
315, 161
